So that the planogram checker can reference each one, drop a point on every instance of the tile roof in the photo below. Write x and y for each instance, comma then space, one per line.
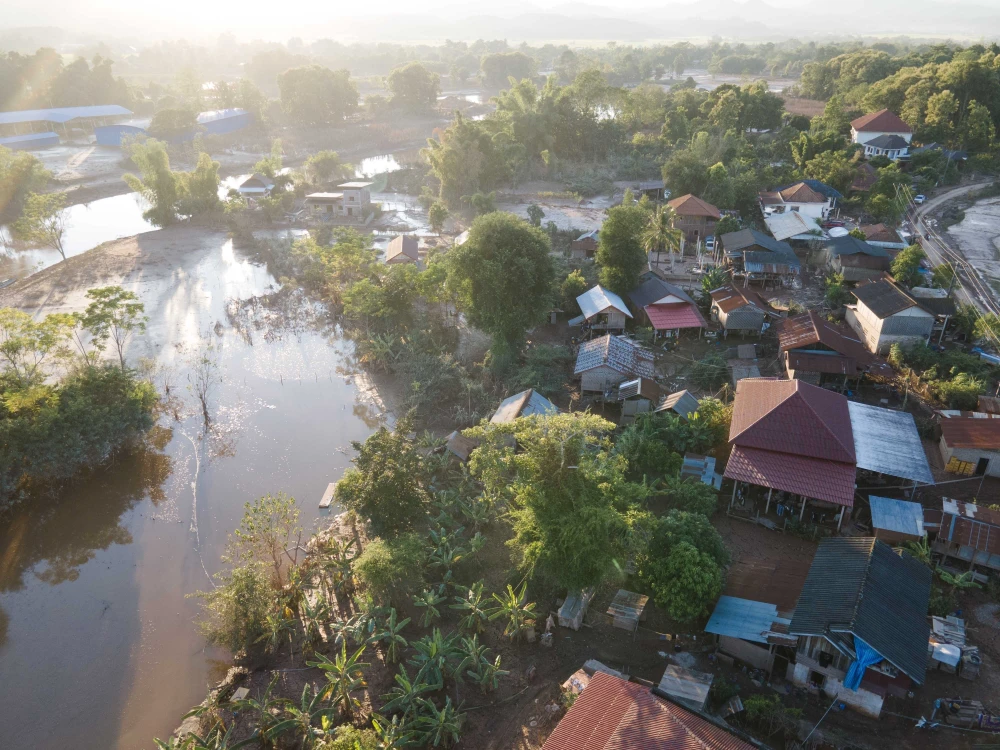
669, 317
820, 187
403, 247
790, 417
613, 714
830, 481
617, 352
980, 434
690, 205
800, 192
598, 299
683, 403
884, 298
810, 329
655, 290
881, 233
729, 298
861, 586
865, 178
523, 404
881, 122
848, 245
888, 141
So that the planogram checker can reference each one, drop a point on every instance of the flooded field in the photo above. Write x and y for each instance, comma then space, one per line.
94, 614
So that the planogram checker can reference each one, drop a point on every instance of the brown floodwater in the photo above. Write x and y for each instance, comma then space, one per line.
99, 646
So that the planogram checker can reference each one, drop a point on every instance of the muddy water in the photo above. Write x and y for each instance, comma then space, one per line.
98, 643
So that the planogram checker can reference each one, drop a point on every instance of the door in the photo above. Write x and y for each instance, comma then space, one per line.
982, 466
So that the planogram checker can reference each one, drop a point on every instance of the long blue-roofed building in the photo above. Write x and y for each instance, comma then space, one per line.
28, 121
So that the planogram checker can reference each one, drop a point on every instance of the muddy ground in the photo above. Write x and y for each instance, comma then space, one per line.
977, 236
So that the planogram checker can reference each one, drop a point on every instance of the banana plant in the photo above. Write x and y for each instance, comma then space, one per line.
217, 739
313, 615
402, 698
428, 601
174, 743
392, 734
438, 727
475, 512
344, 676
436, 655
301, 718
472, 605
391, 636
266, 708
477, 665
515, 609
278, 628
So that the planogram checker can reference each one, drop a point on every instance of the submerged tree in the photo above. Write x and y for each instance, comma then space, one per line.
157, 184
114, 315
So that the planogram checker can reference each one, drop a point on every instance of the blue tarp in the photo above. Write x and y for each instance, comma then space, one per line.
867, 656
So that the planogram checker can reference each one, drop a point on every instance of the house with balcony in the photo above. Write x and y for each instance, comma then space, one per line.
694, 217
882, 133
798, 197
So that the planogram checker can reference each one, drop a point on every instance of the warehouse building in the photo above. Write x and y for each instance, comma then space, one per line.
60, 119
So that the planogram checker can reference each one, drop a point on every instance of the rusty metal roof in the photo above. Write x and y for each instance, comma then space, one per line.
619, 353
809, 329
729, 298
970, 525
979, 434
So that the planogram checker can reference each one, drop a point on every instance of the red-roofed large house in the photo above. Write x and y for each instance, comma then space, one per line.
614, 714
882, 134
799, 198
694, 217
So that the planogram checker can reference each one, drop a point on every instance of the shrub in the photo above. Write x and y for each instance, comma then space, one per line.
391, 568
235, 613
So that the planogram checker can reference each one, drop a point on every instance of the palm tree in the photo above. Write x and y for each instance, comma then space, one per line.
475, 615
478, 666
391, 636
660, 234
438, 727
403, 697
301, 717
344, 676
515, 609
429, 600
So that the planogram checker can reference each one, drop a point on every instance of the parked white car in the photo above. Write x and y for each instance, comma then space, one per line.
710, 243
918, 199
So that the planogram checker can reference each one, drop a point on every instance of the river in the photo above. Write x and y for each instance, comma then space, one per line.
99, 647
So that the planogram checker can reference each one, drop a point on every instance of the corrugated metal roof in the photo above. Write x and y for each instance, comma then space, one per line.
978, 434
686, 686
829, 481
745, 239
619, 353
743, 618
657, 290
524, 404
29, 138
884, 298
729, 298
669, 317
792, 224
613, 714
887, 441
800, 192
219, 114
850, 245
681, 403
644, 387
820, 187
970, 525
402, 247
860, 586
900, 516
63, 114
595, 301
798, 361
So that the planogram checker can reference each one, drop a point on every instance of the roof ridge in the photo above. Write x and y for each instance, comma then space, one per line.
769, 411
799, 390
858, 600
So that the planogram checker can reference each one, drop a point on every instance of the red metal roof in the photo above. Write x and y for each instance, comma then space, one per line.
791, 417
674, 315
809, 329
979, 434
613, 714
690, 205
881, 122
831, 481
730, 297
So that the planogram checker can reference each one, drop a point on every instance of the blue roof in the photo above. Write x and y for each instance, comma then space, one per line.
48, 136
63, 114
900, 516
219, 114
820, 187
744, 619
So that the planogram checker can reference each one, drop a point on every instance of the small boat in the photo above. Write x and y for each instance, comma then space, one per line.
327, 500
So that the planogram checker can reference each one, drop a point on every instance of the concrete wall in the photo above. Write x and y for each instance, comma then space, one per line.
750, 653
860, 700
972, 456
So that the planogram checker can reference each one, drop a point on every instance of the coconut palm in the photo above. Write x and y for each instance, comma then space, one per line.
515, 609
472, 605
477, 665
390, 635
428, 601
660, 234
438, 727
344, 676
403, 697
301, 718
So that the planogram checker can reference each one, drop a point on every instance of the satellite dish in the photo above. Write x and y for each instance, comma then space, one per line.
839, 232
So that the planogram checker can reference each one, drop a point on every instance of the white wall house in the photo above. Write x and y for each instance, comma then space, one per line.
885, 315
882, 134
799, 198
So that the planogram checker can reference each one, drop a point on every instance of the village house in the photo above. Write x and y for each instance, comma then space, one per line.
753, 633
861, 623
827, 191
879, 235
694, 217
682, 403
807, 444
256, 186
967, 531
614, 714
608, 361
667, 308
755, 257
794, 227
603, 310
740, 310
817, 351
524, 404
971, 445
585, 246
402, 249
799, 198
351, 205
864, 179
855, 259
885, 315
637, 396
882, 134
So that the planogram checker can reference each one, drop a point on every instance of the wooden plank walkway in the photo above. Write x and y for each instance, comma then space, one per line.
327, 500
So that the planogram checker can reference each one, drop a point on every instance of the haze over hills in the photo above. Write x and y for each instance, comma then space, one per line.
520, 20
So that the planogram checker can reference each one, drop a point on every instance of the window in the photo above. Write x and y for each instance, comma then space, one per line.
817, 679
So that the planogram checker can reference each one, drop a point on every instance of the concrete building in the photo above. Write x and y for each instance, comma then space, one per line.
882, 133
971, 446
695, 217
350, 206
885, 315
799, 198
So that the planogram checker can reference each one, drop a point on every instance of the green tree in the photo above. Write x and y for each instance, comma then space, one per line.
413, 86
686, 583
235, 612
174, 124
504, 277
572, 287
535, 215
113, 315
158, 185
727, 224
200, 189
833, 168
905, 266
692, 496
465, 160
390, 569
266, 531
326, 167
42, 221
885, 209
837, 293
27, 345
314, 95
619, 250
939, 122
437, 214
383, 486
979, 130
21, 174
